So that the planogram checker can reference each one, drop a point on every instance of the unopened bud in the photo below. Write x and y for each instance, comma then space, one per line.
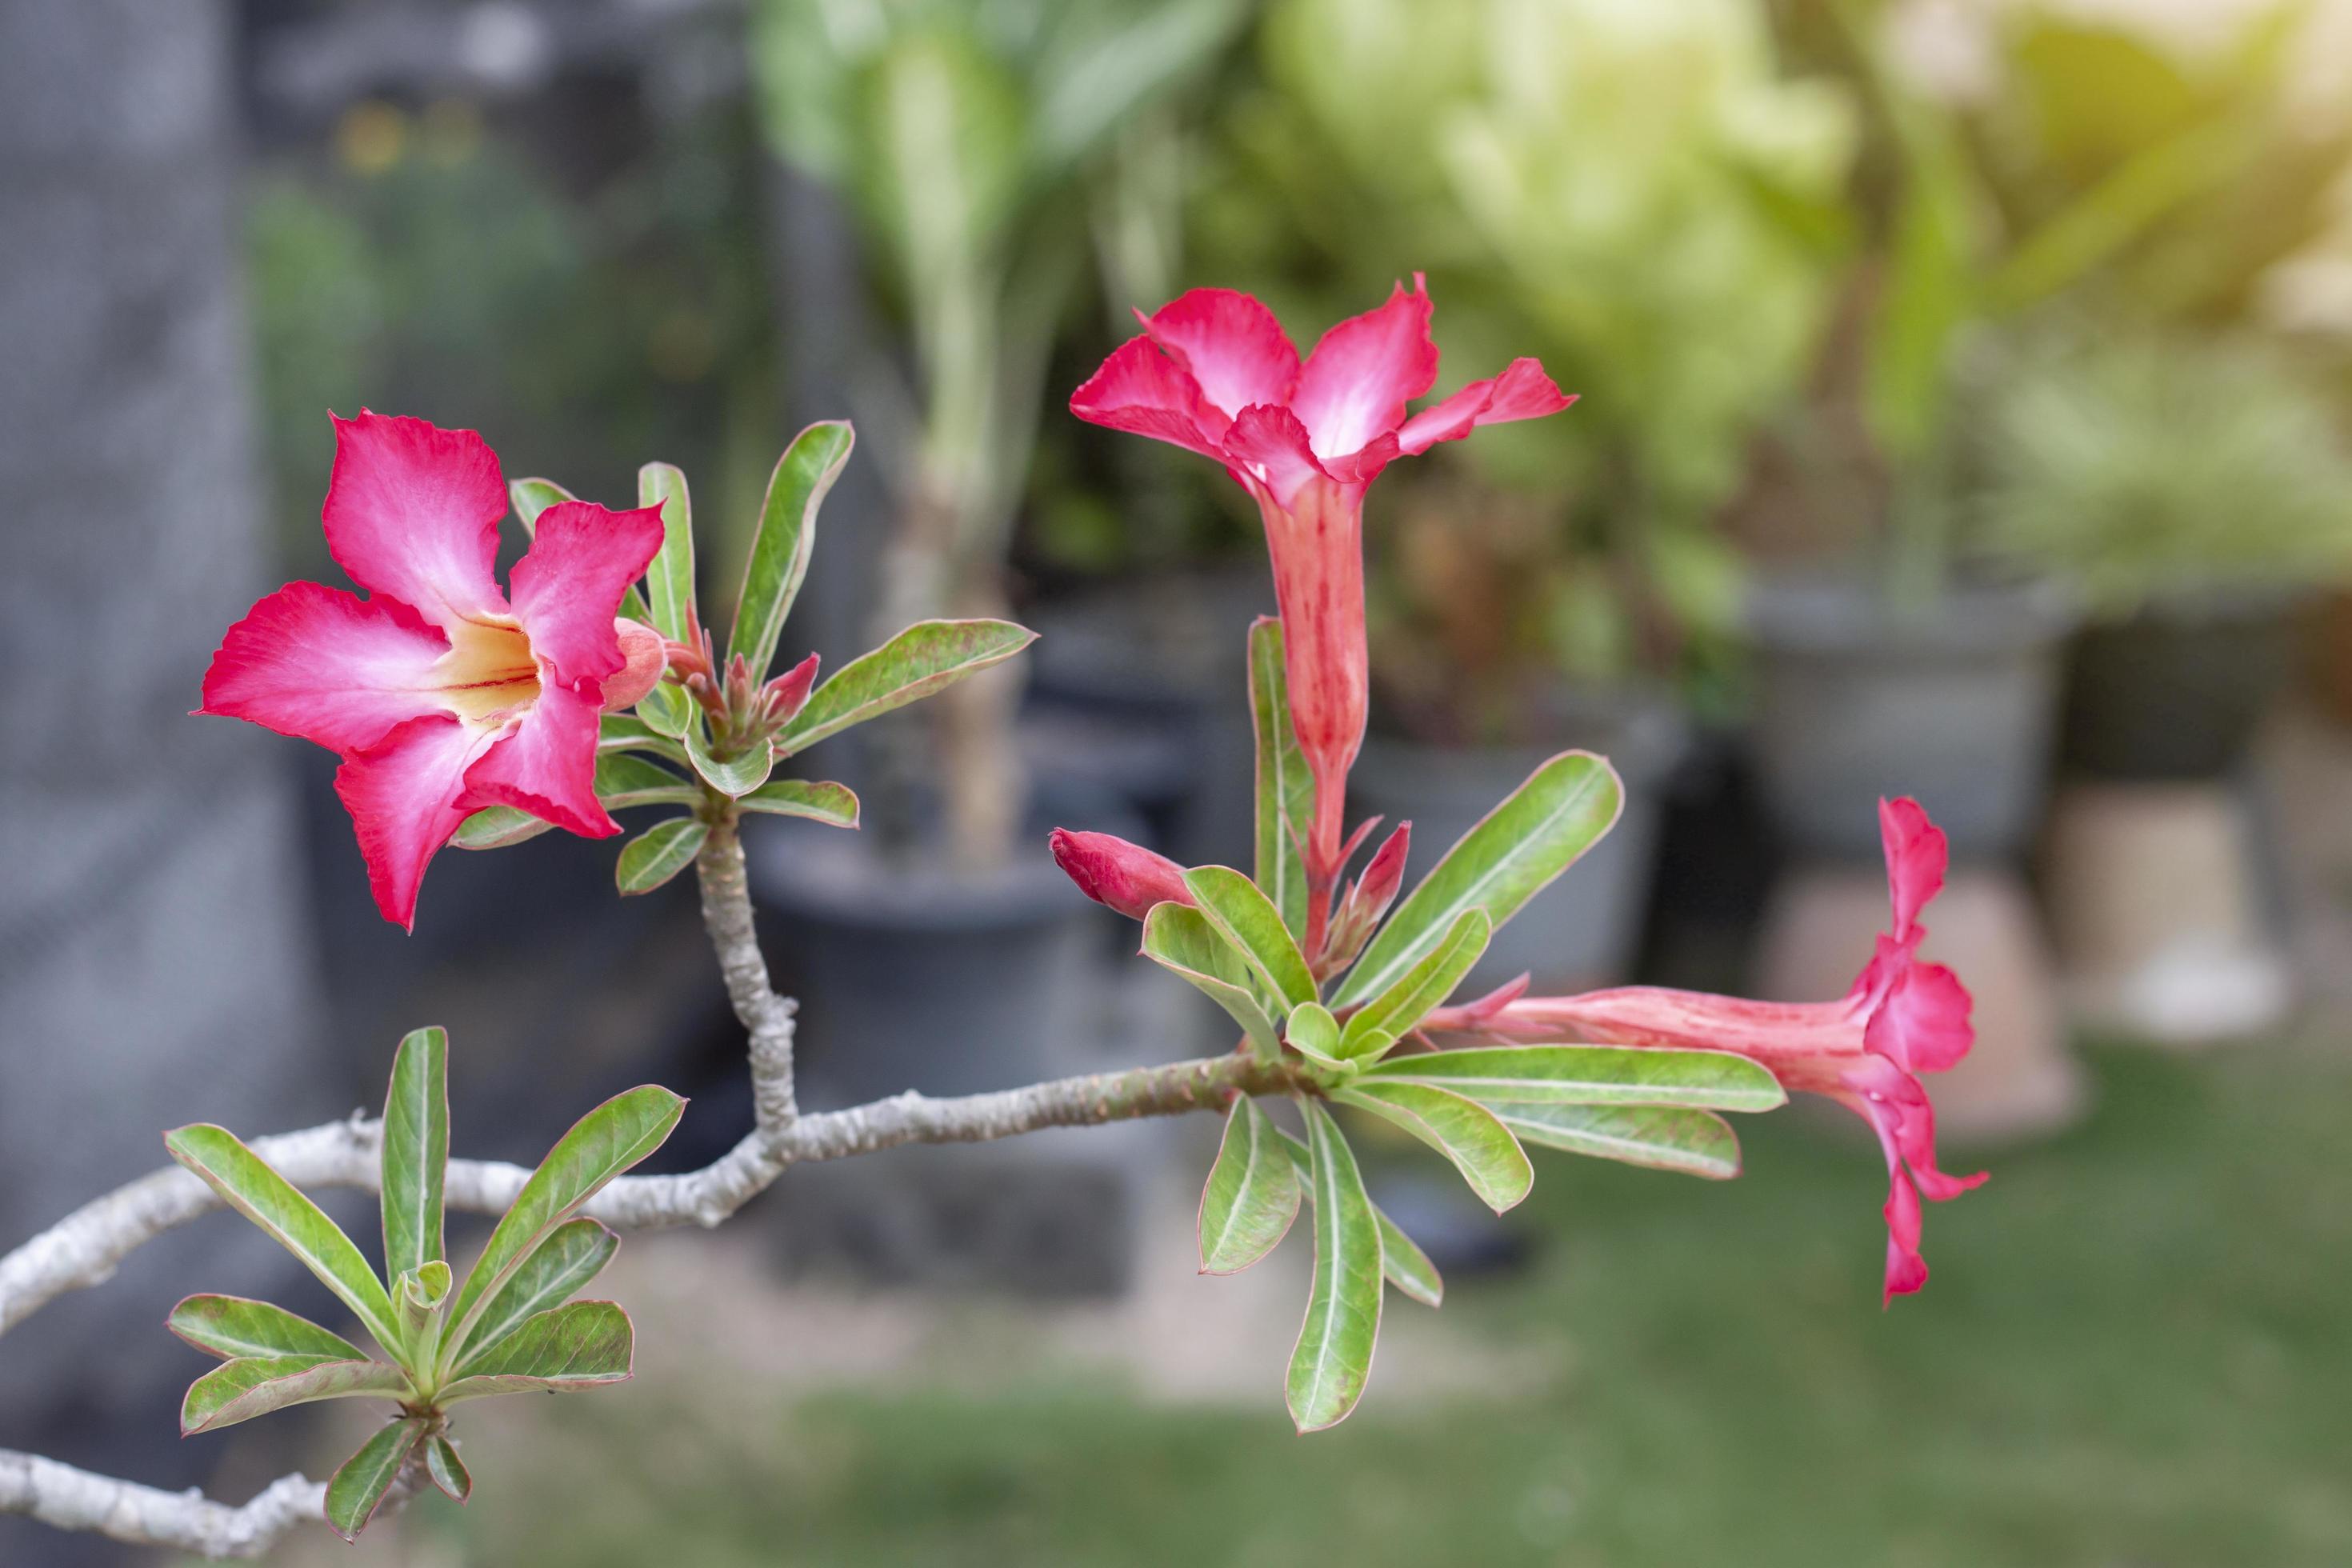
1124, 877
789, 692
646, 654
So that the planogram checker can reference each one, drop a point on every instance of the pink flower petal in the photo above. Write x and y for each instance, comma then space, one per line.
1906, 1271
402, 795
569, 586
1355, 386
1923, 1024
1269, 445
1522, 392
413, 514
1235, 350
546, 765
1916, 859
325, 665
1140, 390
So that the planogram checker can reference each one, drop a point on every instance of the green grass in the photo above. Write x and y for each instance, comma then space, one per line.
2134, 1350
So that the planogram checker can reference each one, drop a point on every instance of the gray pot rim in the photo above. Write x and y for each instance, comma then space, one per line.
1837, 612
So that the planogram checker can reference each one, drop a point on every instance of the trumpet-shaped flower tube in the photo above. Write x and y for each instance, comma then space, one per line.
1865, 1050
442, 692
1214, 373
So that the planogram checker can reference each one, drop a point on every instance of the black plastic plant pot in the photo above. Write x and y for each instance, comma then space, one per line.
1585, 929
1953, 703
2176, 691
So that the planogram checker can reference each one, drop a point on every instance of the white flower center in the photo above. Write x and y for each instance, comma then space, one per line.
488, 675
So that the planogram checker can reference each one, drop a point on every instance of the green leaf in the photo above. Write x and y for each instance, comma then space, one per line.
1334, 1355
667, 711
231, 1326
732, 776
1313, 1033
659, 853
1697, 1142
1245, 918
1591, 1075
584, 1345
248, 1386
829, 803
1387, 1018
448, 1470
1180, 939
786, 536
599, 1147
356, 1490
495, 826
1252, 1193
919, 661
628, 733
247, 1184
1285, 790
416, 1296
670, 579
1462, 1129
575, 1253
416, 1151
624, 779
1560, 811
1405, 1265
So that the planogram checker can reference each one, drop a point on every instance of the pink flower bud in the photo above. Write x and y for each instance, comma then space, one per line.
789, 692
646, 653
1124, 877
1377, 888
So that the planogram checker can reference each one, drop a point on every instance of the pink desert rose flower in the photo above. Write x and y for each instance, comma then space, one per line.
1865, 1050
1214, 373
1119, 875
441, 693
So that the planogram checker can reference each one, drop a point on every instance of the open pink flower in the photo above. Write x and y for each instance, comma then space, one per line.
442, 695
1213, 372
1865, 1050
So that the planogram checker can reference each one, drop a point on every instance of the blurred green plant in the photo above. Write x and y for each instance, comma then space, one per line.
1634, 194
434, 260
985, 149
2145, 467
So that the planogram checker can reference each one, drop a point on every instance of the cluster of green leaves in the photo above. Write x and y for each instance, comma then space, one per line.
1239, 941
669, 751
510, 1327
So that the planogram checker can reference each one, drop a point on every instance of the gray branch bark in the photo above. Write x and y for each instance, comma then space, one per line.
85, 1247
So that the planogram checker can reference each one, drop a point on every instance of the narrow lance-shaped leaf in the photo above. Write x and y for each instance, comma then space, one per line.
786, 537
357, 1490
240, 1390
1536, 832
1462, 1129
668, 713
416, 1296
584, 1345
231, 1326
1252, 1193
1402, 1263
1245, 918
1592, 1075
624, 779
659, 853
669, 578
831, 804
416, 1151
1333, 1358
599, 1147
248, 1184
1286, 789
562, 1267
1664, 1138
495, 826
919, 661
1180, 940
448, 1470
732, 776
1383, 1020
